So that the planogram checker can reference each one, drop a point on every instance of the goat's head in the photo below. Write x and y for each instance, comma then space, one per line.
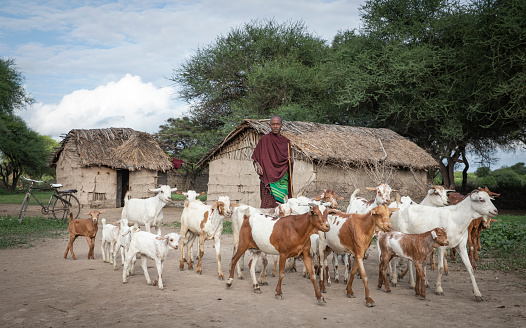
383, 193
439, 237
95, 215
164, 192
438, 196
329, 196
489, 192
223, 206
318, 217
481, 203
171, 240
382, 217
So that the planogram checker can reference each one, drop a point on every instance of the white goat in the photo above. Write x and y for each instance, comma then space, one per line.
455, 219
148, 212
206, 222
110, 237
152, 246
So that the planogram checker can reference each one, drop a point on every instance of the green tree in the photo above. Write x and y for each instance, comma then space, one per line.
13, 96
255, 70
418, 76
22, 150
186, 139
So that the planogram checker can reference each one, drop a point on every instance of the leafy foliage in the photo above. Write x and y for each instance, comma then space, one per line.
22, 150
13, 96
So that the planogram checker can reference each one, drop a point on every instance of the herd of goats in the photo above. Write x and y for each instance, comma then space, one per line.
308, 228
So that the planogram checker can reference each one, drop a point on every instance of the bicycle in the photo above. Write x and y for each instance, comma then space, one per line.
60, 203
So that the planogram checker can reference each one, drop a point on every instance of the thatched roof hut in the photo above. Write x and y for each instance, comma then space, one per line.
104, 163
326, 157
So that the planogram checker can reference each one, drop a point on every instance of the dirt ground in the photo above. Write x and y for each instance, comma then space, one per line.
39, 288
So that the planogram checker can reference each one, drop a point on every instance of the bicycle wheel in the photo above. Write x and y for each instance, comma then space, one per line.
25, 203
67, 203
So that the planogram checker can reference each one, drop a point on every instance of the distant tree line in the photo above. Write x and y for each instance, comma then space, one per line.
448, 75
22, 150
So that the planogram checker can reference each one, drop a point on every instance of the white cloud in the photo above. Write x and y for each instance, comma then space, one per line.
127, 103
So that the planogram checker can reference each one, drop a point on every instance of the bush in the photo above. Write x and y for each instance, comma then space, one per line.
506, 177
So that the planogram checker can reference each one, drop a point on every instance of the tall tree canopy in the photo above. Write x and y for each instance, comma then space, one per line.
448, 75
13, 96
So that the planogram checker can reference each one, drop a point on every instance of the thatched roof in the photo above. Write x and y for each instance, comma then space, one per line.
340, 145
118, 148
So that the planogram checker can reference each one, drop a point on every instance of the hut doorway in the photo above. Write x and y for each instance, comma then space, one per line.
123, 183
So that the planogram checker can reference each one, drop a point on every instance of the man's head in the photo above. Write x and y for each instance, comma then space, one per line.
276, 124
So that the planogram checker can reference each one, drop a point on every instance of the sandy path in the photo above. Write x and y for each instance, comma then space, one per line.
39, 288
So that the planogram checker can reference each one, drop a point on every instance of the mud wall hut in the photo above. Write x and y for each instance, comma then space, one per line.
102, 164
336, 157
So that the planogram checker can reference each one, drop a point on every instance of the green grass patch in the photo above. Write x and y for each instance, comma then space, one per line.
9, 197
503, 246
14, 234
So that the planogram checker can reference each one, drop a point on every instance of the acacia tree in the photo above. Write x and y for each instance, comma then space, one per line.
418, 76
257, 69
13, 96
22, 150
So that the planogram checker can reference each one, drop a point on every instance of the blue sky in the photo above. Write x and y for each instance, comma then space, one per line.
97, 64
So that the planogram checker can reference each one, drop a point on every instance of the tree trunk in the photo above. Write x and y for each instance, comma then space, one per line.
465, 171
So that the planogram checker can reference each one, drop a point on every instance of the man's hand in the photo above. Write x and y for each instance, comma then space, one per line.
259, 169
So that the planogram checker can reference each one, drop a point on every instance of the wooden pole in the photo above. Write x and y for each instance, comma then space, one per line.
290, 172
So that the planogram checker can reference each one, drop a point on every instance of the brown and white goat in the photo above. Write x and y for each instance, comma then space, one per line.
83, 227
414, 247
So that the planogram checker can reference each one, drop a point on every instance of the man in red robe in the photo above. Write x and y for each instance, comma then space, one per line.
273, 163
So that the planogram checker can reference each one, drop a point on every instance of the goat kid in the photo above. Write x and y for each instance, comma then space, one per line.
83, 227
414, 247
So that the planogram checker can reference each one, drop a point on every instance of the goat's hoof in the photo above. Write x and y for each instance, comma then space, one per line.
351, 296
257, 291
154, 283
240, 278
323, 291
422, 298
279, 297
337, 281
478, 298
321, 300
221, 278
439, 293
370, 304
263, 283
394, 285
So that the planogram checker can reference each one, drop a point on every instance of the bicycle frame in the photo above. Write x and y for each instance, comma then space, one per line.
45, 208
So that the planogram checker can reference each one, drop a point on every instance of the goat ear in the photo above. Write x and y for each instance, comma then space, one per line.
214, 207
371, 188
339, 198
201, 194
433, 234
394, 210
319, 197
89, 213
285, 199
160, 238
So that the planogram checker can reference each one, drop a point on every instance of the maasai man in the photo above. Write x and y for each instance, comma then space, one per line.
274, 165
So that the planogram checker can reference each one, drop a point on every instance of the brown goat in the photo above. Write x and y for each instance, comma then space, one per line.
83, 227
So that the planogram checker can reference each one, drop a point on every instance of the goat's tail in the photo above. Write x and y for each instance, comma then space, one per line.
103, 222
355, 192
126, 197
70, 216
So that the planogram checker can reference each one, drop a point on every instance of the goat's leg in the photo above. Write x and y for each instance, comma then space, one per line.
346, 262
217, 240
307, 262
411, 274
282, 264
201, 254
420, 286
263, 274
382, 272
253, 264
103, 251
368, 300
159, 265
240, 251
335, 267
144, 266
275, 258
465, 259
126, 264
432, 259
69, 248
438, 285
393, 272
